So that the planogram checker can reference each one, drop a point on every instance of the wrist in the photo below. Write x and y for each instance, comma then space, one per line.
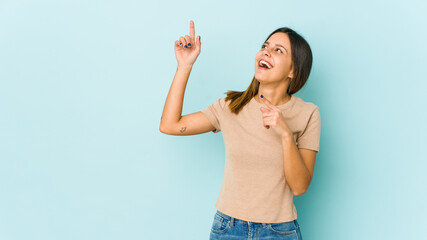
287, 136
185, 66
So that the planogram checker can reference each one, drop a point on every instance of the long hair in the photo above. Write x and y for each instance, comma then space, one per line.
302, 59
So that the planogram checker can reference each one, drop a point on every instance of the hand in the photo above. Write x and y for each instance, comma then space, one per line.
186, 56
273, 117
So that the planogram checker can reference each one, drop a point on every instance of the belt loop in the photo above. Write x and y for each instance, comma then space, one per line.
263, 224
232, 221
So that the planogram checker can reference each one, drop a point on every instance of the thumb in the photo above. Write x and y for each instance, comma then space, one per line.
264, 110
199, 42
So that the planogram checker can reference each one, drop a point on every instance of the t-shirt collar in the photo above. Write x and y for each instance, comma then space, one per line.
253, 103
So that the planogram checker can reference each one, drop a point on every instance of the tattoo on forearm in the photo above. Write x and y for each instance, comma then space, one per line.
183, 129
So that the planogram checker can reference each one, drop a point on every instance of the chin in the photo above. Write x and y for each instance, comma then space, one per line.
261, 79
261, 76
264, 79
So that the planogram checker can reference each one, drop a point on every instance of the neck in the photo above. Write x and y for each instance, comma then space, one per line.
274, 92
273, 97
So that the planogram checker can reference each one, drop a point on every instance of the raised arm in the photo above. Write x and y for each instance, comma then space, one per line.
186, 51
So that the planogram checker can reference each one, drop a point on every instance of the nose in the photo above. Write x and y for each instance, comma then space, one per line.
266, 52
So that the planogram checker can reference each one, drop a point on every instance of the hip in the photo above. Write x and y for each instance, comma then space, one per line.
227, 227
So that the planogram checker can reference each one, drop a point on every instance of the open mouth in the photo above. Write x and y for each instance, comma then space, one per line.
262, 64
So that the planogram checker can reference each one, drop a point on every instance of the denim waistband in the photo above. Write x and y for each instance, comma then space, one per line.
232, 219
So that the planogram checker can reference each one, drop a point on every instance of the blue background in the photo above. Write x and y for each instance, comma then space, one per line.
82, 90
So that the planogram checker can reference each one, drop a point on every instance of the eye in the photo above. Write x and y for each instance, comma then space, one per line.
276, 48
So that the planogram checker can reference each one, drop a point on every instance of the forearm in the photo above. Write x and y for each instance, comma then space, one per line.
173, 105
297, 175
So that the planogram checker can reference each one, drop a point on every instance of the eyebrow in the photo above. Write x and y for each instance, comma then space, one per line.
279, 46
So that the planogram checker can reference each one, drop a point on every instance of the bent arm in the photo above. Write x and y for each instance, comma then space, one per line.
172, 122
173, 106
298, 176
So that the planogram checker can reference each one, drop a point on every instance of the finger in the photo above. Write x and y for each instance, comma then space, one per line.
178, 44
265, 110
268, 103
192, 29
265, 120
183, 41
267, 115
189, 42
266, 123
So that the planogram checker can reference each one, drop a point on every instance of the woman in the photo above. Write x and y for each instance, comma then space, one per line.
271, 137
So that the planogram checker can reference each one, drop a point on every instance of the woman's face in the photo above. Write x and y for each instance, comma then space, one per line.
277, 52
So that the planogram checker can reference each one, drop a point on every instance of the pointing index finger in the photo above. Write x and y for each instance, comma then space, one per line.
192, 29
268, 103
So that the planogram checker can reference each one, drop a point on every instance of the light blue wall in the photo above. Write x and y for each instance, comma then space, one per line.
82, 90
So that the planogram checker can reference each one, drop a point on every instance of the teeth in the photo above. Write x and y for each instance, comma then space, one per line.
266, 63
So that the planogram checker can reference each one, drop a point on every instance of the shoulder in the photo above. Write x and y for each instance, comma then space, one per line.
303, 106
221, 103
217, 106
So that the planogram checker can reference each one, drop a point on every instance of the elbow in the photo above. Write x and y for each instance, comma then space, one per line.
162, 129
299, 192
303, 189
296, 194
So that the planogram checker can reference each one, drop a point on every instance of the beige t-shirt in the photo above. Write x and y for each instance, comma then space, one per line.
254, 187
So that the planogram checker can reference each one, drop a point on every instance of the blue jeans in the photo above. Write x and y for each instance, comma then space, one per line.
226, 227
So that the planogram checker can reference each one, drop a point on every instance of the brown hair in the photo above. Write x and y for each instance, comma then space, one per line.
302, 59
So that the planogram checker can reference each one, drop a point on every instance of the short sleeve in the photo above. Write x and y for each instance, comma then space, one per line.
213, 113
310, 138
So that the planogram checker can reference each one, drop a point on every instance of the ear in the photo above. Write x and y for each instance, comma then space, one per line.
291, 73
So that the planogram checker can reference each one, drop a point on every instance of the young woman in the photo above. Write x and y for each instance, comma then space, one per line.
270, 135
